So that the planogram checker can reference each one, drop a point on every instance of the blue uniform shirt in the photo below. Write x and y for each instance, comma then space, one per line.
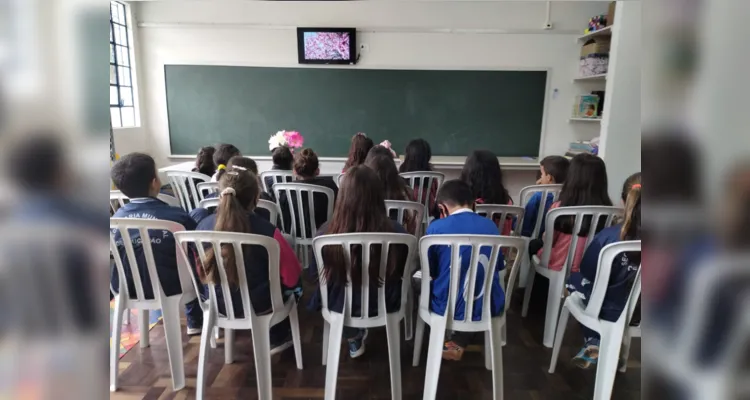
532, 211
469, 223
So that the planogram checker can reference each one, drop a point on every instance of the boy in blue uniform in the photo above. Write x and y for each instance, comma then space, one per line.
135, 175
552, 170
456, 204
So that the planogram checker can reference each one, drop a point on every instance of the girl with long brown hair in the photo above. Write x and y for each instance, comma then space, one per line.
624, 269
358, 150
395, 187
240, 191
360, 208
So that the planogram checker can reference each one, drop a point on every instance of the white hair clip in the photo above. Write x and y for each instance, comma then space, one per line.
228, 191
239, 168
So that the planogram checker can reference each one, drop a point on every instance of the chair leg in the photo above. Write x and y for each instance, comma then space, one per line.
143, 317
173, 334
524, 273
262, 352
562, 324
409, 315
487, 351
419, 336
527, 293
625, 349
497, 358
213, 336
392, 327
206, 337
554, 298
326, 333
606, 365
114, 346
229, 346
127, 316
434, 358
505, 334
296, 338
334, 352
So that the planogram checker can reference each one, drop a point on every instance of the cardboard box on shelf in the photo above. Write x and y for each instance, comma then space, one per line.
611, 13
599, 45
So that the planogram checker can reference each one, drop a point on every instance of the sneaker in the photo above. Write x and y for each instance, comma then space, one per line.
357, 344
194, 331
278, 347
586, 358
452, 351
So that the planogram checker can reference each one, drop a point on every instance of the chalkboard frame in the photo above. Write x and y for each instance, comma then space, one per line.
267, 157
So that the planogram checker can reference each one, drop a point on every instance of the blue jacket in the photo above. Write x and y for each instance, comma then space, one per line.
621, 277
162, 244
532, 211
468, 223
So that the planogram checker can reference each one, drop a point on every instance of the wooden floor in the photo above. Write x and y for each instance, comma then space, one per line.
144, 373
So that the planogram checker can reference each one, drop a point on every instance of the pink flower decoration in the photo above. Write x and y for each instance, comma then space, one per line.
294, 139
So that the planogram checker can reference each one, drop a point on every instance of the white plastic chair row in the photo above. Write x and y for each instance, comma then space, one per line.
277, 176
298, 214
557, 278
612, 333
184, 184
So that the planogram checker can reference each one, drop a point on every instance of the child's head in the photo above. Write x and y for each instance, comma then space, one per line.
384, 166
379, 150
454, 195
135, 175
553, 170
358, 150
243, 162
417, 156
586, 183
223, 153
631, 196
38, 163
306, 164
485, 178
204, 161
282, 157
239, 191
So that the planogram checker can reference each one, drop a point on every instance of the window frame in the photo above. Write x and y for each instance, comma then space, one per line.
121, 63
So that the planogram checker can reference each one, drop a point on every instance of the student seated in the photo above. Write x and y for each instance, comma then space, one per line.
552, 170
222, 155
624, 269
485, 178
586, 185
283, 160
204, 161
417, 159
239, 193
135, 175
395, 186
457, 217
358, 150
360, 209
307, 170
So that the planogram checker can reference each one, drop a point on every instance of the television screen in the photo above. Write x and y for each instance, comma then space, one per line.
326, 45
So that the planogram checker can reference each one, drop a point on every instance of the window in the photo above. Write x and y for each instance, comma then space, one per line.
121, 96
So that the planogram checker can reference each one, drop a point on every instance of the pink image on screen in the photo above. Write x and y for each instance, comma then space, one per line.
326, 45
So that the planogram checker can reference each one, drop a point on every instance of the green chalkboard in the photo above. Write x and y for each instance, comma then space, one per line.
456, 111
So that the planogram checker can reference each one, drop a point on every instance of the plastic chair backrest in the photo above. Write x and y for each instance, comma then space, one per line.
545, 190
293, 193
206, 188
209, 204
273, 210
116, 197
214, 240
407, 208
477, 243
339, 179
387, 242
422, 192
277, 176
601, 283
184, 187
124, 226
579, 213
504, 211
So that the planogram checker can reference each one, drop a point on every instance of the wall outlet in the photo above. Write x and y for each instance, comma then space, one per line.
364, 48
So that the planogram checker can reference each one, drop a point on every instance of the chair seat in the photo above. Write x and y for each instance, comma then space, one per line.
473, 326
246, 323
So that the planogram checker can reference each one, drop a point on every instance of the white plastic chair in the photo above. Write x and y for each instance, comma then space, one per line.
293, 192
116, 197
339, 179
612, 333
492, 327
334, 322
417, 180
183, 185
403, 209
206, 188
259, 324
525, 197
209, 204
557, 278
169, 305
278, 177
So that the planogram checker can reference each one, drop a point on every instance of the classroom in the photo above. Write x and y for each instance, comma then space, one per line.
362, 164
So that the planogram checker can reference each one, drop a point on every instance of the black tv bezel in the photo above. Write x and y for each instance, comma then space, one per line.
352, 46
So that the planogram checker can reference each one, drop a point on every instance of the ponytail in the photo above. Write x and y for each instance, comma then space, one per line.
239, 195
631, 227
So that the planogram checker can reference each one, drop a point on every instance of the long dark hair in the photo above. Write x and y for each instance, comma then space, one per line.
485, 178
239, 194
395, 188
224, 152
204, 161
361, 145
631, 195
585, 185
360, 207
417, 157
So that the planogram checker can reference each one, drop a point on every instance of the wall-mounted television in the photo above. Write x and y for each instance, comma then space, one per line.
327, 45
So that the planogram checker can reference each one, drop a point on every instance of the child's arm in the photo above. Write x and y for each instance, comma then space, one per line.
289, 266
